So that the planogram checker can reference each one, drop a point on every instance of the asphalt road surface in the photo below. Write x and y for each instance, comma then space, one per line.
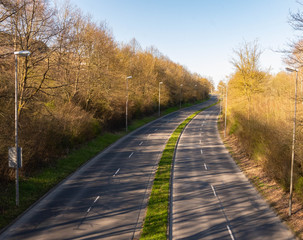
106, 198
212, 199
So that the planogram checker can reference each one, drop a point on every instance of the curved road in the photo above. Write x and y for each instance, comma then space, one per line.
107, 197
211, 198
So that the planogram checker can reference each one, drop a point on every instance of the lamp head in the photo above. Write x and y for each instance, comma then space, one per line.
291, 69
22, 53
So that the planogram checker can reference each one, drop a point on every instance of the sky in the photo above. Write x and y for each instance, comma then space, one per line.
201, 34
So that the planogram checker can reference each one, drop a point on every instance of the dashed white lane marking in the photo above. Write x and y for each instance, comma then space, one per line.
201, 151
230, 233
131, 155
88, 210
98, 197
156, 129
148, 135
214, 190
116, 172
227, 226
205, 166
140, 143
200, 129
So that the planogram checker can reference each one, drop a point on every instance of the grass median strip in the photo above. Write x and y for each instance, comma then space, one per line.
156, 220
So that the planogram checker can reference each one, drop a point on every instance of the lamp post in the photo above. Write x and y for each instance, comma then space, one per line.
126, 104
196, 92
181, 85
160, 98
220, 102
21, 54
225, 109
293, 142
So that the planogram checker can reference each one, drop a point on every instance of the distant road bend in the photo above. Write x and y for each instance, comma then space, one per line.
107, 197
211, 198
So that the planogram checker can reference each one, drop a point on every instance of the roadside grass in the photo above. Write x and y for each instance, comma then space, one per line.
34, 187
140, 122
156, 220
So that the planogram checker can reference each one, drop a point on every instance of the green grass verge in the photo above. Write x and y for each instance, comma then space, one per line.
34, 187
156, 220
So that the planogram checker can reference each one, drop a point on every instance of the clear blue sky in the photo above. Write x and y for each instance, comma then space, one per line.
200, 34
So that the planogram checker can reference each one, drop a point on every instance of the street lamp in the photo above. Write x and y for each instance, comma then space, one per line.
181, 85
196, 92
293, 142
220, 94
21, 54
159, 98
225, 109
126, 105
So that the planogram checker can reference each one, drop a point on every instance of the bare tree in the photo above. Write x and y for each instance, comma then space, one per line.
248, 79
294, 55
31, 28
8, 8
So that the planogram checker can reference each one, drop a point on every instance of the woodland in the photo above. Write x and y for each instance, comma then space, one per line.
72, 87
260, 110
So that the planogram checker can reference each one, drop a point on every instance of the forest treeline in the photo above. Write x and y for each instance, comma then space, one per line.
73, 85
260, 110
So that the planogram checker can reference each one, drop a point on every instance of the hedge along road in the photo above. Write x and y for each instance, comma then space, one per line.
211, 197
107, 197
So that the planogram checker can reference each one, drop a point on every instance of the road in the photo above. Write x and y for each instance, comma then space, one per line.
211, 197
107, 197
